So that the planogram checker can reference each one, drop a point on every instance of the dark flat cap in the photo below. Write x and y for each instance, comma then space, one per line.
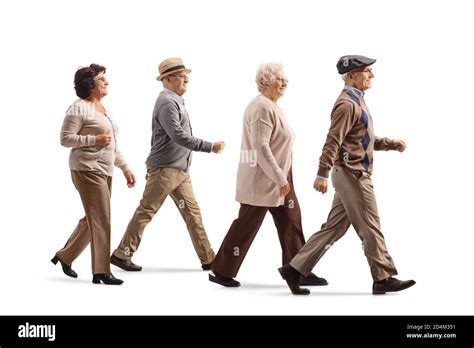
348, 63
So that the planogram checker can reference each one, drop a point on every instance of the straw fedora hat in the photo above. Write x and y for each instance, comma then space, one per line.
170, 66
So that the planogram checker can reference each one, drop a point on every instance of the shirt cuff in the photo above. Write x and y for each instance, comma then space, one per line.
323, 172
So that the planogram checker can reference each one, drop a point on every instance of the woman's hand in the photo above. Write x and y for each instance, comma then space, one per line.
130, 178
284, 190
103, 139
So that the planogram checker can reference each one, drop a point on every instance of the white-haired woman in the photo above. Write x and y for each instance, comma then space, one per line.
264, 181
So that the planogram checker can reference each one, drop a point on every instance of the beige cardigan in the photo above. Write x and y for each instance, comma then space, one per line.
80, 126
265, 157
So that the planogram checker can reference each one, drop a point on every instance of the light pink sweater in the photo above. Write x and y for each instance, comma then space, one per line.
267, 144
80, 126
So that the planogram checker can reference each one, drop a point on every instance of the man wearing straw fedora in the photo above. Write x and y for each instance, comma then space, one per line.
170, 157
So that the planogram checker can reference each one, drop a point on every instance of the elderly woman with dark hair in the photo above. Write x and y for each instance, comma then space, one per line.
92, 134
264, 181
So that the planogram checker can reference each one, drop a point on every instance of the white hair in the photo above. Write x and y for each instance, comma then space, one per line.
344, 77
267, 74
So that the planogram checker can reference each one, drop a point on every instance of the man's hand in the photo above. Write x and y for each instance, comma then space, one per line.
321, 185
130, 178
284, 190
399, 145
218, 147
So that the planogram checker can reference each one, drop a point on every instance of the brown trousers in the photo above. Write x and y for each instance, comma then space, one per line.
95, 190
242, 232
354, 204
161, 183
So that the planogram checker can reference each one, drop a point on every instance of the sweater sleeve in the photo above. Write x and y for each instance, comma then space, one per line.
120, 161
343, 118
168, 118
260, 132
72, 124
383, 144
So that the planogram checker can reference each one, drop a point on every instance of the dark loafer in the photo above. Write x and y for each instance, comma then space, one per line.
313, 280
126, 265
391, 285
66, 268
224, 281
292, 277
206, 266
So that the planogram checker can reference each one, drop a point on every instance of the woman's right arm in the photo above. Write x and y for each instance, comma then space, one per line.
260, 131
72, 124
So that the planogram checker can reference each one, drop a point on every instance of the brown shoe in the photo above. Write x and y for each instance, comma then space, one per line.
391, 285
126, 265
292, 277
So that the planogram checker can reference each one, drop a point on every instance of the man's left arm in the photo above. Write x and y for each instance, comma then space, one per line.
168, 117
387, 144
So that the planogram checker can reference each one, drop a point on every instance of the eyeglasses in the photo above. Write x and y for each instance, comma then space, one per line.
365, 70
184, 77
282, 80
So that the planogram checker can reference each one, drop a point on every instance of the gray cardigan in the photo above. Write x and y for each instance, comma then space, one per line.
172, 142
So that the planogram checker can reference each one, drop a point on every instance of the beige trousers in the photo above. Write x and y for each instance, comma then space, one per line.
161, 183
95, 190
354, 204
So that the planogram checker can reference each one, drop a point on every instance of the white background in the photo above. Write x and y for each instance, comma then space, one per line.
421, 93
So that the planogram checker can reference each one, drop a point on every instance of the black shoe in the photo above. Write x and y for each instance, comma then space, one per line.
207, 266
224, 281
391, 285
126, 265
106, 278
292, 277
313, 280
66, 269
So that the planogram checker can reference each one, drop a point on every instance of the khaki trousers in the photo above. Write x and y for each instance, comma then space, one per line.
354, 204
161, 183
95, 190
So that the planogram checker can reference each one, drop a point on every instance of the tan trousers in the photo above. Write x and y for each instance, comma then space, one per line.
354, 203
161, 183
95, 190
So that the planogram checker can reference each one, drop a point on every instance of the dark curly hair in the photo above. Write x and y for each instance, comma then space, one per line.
84, 79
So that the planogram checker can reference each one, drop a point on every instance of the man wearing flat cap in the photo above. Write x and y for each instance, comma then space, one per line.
348, 151
172, 145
